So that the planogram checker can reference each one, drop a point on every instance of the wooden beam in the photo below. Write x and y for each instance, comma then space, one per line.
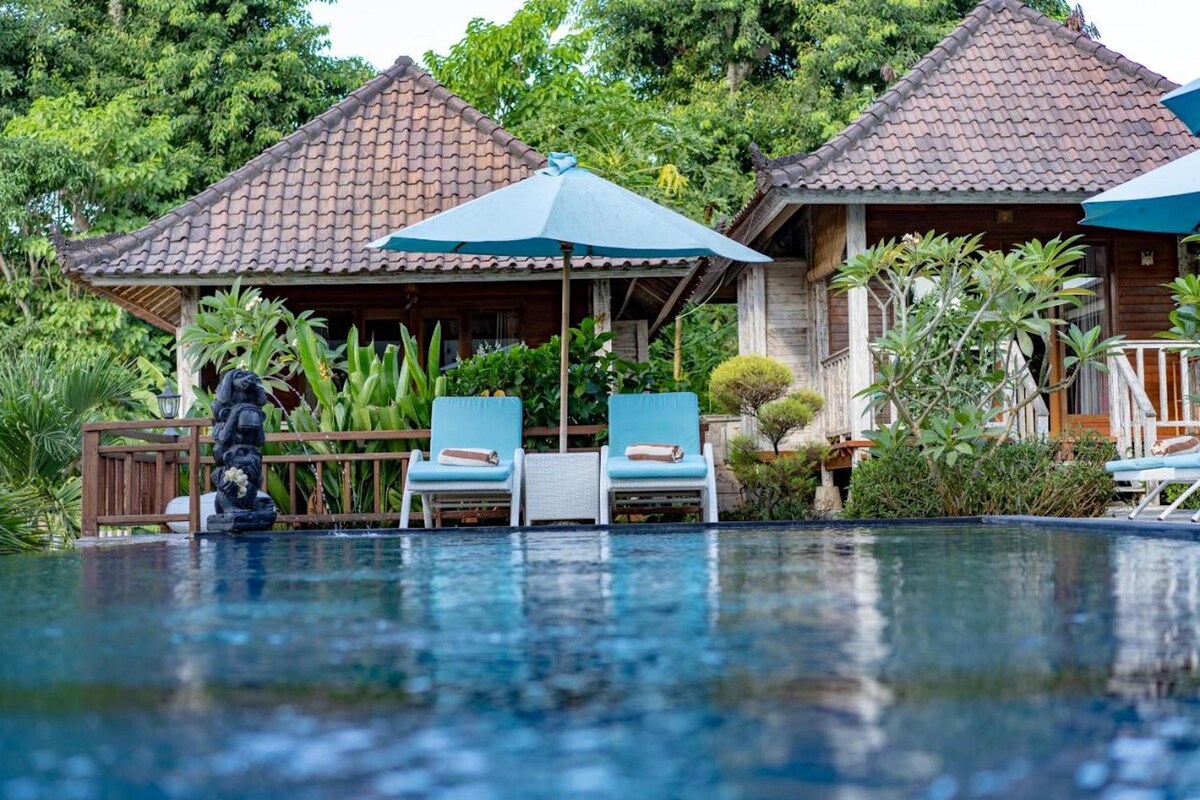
669, 306
834, 197
625, 302
428, 276
602, 308
859, 323
752, 324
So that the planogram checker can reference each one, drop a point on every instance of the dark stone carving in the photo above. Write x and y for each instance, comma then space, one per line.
238, 438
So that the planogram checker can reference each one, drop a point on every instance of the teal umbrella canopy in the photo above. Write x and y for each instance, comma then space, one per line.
1184, 103
1165, 200
564, 204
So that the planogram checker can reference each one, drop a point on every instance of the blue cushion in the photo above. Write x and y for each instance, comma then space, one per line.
493, 423
689, 467
667, 418
1185, 461
426, 471
1133, 464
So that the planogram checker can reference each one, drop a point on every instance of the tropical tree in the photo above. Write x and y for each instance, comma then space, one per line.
43, 405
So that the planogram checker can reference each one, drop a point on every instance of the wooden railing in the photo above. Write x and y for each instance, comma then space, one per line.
1133, 420
1033, 414
835, 384
131, 471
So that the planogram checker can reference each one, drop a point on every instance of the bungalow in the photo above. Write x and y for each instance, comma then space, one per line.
1003, 129
296, 221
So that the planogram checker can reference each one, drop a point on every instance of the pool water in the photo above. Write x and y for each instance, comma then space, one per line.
970, 661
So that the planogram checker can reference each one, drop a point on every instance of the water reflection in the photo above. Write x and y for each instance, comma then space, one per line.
844, 663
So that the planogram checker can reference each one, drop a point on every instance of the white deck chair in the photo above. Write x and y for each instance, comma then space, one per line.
493, 423
1156, 473
667, 418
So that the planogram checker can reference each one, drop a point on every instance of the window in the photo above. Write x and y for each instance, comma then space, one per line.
1088, 396
494, 330
450, 335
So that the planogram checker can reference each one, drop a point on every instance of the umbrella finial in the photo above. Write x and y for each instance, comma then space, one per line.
558, 163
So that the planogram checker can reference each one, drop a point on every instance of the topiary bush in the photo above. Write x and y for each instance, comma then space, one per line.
1004, 478
781, 417
744, 384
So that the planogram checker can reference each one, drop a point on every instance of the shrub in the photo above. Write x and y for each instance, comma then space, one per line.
744, 384
779, 418
531, 373
781, 488
1004, 478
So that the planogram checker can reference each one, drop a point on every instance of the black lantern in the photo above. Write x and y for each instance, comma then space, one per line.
168, 407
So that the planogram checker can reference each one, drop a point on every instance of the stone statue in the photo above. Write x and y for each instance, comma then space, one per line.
238, 438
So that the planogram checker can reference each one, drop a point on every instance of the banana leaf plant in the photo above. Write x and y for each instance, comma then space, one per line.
368, 391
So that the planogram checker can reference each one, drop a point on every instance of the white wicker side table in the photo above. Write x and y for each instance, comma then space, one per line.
562, 486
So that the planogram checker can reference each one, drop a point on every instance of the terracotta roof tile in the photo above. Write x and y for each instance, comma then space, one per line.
1011, 100
394, 151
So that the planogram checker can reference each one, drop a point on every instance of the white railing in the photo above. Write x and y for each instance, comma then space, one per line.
1033, 415
835, 384
1133, 420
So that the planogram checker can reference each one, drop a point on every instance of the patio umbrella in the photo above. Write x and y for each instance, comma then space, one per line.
1184, 103
563, 211
1165, 200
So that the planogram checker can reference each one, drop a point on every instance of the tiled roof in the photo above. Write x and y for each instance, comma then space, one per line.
393, 152
1010, 101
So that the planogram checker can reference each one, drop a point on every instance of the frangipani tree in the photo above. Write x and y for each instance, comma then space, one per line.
970, 328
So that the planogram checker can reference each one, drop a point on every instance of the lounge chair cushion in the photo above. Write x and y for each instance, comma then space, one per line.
1186, 461
429, 471
672, 417
692, 466
492, 423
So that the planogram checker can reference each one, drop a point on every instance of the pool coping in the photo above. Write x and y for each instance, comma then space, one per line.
1171, 529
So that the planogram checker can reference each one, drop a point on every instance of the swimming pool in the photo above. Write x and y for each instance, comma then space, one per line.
964, 661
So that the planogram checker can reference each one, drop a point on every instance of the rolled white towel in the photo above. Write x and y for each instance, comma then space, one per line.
1175, 446
468, 457
669, 453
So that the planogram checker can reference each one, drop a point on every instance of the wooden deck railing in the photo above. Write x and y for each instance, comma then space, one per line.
131, 471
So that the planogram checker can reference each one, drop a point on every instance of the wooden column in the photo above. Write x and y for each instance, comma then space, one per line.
752, 311
859, 325
752, 324
188, 376
602, 307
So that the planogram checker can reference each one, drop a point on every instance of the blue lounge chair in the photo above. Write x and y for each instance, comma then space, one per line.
1156, 473
493, 423
669, 418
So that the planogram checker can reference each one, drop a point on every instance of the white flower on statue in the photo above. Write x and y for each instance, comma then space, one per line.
239, 478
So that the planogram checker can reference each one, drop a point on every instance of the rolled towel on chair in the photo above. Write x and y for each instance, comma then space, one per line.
1175, 446
670, 453
468, 457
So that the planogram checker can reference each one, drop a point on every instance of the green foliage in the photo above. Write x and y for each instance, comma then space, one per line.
531, 373
43, 405
239, 329
19, 532
112, 112
709, 337
779, 418
1027, 477
965, 352
746, 383
368, 390
781, 488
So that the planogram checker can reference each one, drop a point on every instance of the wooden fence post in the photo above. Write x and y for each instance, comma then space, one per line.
194, 480
91, 482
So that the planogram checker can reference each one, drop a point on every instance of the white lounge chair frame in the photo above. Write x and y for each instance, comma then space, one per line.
455, 495
613, 490
1161, 478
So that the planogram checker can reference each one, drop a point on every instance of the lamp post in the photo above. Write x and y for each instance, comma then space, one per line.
168, 408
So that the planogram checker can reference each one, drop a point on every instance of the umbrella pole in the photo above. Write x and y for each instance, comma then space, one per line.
565, 344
